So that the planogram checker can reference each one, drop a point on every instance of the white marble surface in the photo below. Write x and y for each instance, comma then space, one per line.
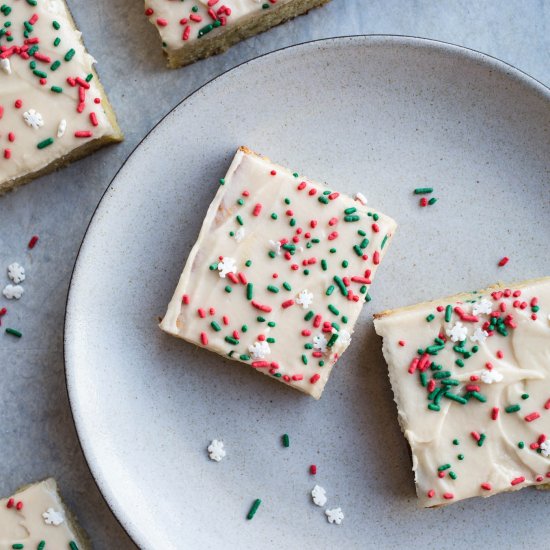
37, 437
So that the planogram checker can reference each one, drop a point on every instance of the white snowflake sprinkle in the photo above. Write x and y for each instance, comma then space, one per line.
275, 247
305, 298
33, 119
259, 350
16, 273
320, 343
319, 495
335, 515
545, 448
216, 450
61, 128
361, 198
479, 335
225, 266
490, 376
5, 65
239, 234
344, 338
13, 292
458, 333
53, 517
484, 306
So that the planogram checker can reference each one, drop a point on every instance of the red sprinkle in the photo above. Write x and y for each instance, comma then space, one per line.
314, 378
33, 241
431, 493
448, 496
204, 338
185, 299
19, 505
517, 480
288, 303
257, 210
503, 261
10, 503
494, 413
313, 469
401, 343
486, 486
532, 416
423, 202
547, 405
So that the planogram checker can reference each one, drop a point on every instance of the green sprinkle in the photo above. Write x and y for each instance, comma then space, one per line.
249, 291
345, 263
375, 217
443, 467
512, 408
433, 200
41, 545
430, 317
244, 357
368, 297
304, 359
452, 475
323, 199
434, 350
332, 250
244, 328
357, 249
56, 25
45, 143
271, 324
248, 263
423, 379
478, 396
287, 286
383, 244
448, 313
353, 218
222, 181
456, 442
341, 285
433, 407
14, 332
277, 375
240, 202
239, 220
213, 267
521, 444
69, 55
270, 340
57, 41
459, 362
344, 319
56, 89
254, 508
73, 545
228, 289
286, 440
231, 340
330, 290
361, 232
333, 309
271, 254
423, 190
274, 216
451, 382
460, 456
215, 326
332, 340
306, 271
309, 315
55, 65
272, 288
442, 374
17, 546
482, 438
525, 396
260, 319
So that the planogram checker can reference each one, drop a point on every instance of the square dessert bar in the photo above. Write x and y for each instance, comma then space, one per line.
471, 380
279, 273
36, 518
192, 30
53, 109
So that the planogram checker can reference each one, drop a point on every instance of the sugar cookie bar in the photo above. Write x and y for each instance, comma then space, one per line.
279, 273
35, 517
53, 110
191, 30
471, 379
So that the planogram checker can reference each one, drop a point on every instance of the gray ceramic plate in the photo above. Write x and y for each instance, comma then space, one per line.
382, 115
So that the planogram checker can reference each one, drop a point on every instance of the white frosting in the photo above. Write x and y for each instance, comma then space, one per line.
42, 110
499, 432
40, 516
289, 315
173, 17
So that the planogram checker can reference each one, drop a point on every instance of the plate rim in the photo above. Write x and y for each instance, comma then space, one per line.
509, 70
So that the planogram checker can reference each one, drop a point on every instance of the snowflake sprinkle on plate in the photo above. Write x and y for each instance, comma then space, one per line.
13, 292
53, 517
216, 450
319, 495
335, 515
16, 273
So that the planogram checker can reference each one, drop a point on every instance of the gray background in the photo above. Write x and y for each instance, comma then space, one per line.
37, 437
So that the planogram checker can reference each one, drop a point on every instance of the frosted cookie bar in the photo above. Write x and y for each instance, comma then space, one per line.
192, 30
279, 273
53, 109
35, 517
471, 380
